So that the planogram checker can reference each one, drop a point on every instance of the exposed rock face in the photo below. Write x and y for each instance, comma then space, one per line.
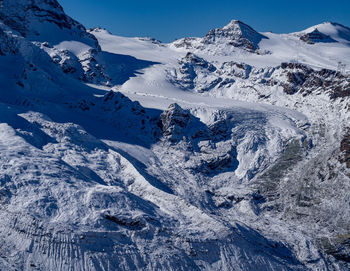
185, 43
195, 73
301, 78
234, 35
38, 19
234, 69
315, 37
213, 149
173, 122
7, 43
345, 149
94, 70
328, 32
69, 63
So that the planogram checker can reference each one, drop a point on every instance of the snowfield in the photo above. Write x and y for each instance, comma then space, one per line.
226, 152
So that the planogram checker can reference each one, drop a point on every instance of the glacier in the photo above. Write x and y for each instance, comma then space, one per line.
225, 152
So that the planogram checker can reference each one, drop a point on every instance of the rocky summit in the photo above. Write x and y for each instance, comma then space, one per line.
224, 40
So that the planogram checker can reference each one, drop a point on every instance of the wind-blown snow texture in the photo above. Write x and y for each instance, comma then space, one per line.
227, 152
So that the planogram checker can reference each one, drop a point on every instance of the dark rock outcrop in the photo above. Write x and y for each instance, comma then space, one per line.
236, 34
345, 149
190, 66
173, 121
303, 79
316, 37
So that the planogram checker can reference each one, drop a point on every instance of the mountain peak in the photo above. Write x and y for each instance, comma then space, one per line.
237, 34
235, 24
38, 19
315, 37
232, 23
335, 31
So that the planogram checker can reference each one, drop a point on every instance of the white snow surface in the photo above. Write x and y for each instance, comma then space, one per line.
75, 47
114, 176
336, 31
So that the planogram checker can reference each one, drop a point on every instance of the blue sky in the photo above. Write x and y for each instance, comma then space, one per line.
168, 20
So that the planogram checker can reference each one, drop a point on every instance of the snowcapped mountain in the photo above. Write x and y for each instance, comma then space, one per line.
227, 152
37, 20
224, 40
335, 31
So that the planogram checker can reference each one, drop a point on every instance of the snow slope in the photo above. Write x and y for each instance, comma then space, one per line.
336, 31
130, 154
171, 81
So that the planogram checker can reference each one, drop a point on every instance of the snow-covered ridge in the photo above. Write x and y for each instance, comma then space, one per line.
38, 19
293, 74
336, 31
227, 152
236, 34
